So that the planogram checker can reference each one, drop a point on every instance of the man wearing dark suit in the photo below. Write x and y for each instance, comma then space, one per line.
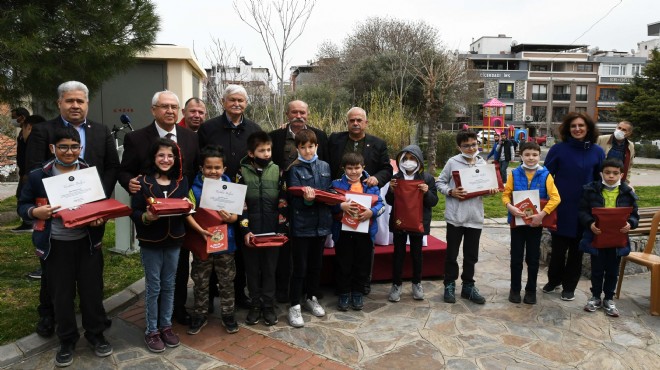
98, 149
165, 108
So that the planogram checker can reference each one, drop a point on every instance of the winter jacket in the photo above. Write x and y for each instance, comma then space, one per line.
377, 208
309, 219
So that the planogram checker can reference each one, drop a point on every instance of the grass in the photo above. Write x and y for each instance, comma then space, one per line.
19, 295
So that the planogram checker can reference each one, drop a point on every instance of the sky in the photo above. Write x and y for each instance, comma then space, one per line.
196, 23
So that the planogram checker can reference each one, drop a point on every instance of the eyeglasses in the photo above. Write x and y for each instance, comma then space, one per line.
469, 146
66, 148
167, 106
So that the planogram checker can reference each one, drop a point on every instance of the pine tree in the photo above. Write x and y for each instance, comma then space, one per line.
641, 100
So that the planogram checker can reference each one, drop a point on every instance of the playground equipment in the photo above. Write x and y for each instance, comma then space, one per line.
493, 122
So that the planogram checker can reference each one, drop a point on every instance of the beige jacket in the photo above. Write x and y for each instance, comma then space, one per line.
605, 142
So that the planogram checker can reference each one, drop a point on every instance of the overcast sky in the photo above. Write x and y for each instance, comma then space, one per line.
194, 23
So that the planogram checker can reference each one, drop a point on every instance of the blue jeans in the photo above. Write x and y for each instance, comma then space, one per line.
504, 164
159, 274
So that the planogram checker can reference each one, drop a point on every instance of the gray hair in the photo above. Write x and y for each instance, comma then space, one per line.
157, 95
72, 86
234, 89
288, 105
357, 109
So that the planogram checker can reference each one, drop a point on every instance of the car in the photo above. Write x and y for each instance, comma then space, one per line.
486, 134
541, 139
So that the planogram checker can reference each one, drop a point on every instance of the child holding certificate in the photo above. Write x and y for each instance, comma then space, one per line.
160, 240
74, 256
610, 192
411, 167
353, 248
221, 262
265, 212
465, 219
526, 238
311, 223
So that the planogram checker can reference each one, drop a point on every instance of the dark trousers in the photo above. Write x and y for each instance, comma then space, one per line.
353, 252
283, 271
307, 256
604, 272
19, 189
525, 243
565, 262
260, 265
240, 280
45, 307
71, 268
504, 164
470, 238
399, 257
181, 281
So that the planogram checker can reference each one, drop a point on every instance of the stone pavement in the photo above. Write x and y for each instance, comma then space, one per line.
409, 334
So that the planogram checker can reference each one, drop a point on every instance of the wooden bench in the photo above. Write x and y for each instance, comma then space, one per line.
645, 217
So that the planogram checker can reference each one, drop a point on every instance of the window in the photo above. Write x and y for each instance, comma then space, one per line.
637, 69
508, 113
614, 70
581, 93
505, 91
561, 92
608, 95
585, 68
539, 113
497, 64
540, 67
581, 110
539, 92
558, 113
606, 116
480, 64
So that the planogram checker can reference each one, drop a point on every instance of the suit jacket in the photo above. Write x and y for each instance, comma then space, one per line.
279, 140
136, 150
376, 158
100, 149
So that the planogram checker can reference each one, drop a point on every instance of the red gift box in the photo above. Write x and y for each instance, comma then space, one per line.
169, 206
266, 241
457, 181
610, 221
321, 195
219, 239
86, 213
408, 206
196, 243
350, 221
549, 221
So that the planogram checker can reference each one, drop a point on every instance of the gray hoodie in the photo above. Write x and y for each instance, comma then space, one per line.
465, 213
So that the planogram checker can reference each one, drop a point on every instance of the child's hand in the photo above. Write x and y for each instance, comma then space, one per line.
515, 211
594, 229
393, 183
44, 212
537, 219
248, 239
97, 222
423, 187
494, 191
625, 229
458, 193
225, 216
204, 233
308, 193
150, 216
349, 207
364, 216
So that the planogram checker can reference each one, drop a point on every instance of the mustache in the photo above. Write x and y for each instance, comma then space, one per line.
298, 119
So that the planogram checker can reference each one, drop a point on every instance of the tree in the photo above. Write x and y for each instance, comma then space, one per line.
44, 43
641, 100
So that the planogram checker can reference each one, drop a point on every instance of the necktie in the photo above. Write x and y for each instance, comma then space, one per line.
169, 135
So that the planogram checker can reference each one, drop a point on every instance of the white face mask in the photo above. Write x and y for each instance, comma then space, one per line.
15, 123
470, 156
616, 184
619, 135
408, 165
536, 166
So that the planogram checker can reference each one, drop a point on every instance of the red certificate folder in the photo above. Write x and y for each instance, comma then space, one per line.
219, 239
39, 225
610, 221
266, 241
196, 243
350, 221
549, 221
374, 197
527, 207
457, 181
86, 213
321, 195
408, 206
169, 206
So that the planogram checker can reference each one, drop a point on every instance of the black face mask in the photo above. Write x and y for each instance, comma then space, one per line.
261, 162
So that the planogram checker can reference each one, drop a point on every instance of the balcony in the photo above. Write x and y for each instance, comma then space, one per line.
565, 97
581, 97
539, 96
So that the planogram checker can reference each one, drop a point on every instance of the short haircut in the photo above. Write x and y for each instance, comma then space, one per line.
194, 99
175, 172
612, 162
565, 127
628, 123
35, 118
66, 132
72, 86
357, 109
212, 151
305, 136
465, 135
257, 138
352, 159
20, 112
529, 145
154, 99
234, 89
288, 105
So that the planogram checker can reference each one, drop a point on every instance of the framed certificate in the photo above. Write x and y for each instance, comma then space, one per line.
223, 196
75, 188
478, 180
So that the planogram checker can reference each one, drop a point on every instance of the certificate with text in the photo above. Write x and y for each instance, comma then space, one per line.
223, 196
72, 189
479, 178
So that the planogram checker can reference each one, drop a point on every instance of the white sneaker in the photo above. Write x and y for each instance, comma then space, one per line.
295, 317
395, 293
313, 306
418, 291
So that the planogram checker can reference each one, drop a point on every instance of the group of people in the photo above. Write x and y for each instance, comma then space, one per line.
172, 159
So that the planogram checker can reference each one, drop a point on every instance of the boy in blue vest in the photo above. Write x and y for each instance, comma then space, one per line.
526, 239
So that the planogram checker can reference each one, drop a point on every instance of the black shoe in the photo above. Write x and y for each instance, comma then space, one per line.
450, 292
514, 296
367, 289
530, 297
64, 356
549, 287
196, 324
469, 291
100, 345
22, 228
46, 326
269, 315
230, 324
253, 316
36, 274
182, 317
242, 301
567, 296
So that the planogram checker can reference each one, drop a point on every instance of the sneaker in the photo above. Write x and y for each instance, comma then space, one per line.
342, 302
22, 228
313, 306
514, 296
469, 291
64, 356
99, 345
182, 317
230, 324
450, 292
418, 291
253, 315
295, 317
357, 301
269, 315
196, 324
169, 338
549, 287
610, 308
567, 296
530, 297
154, 343
395, 293
593, 304
36, 274
46, 326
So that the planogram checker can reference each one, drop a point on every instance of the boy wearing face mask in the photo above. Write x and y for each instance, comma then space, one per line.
526, 239
465, 219
610, 192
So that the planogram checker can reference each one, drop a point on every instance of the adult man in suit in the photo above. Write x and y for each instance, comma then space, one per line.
98, 149
164, 108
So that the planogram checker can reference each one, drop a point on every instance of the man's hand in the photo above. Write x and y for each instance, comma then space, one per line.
134, 185
372, 181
